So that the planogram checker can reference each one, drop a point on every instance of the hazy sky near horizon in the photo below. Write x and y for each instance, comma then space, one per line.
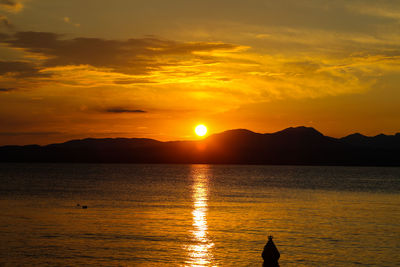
156, 68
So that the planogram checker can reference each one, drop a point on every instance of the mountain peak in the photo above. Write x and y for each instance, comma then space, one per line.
355, 136
238, 131
300, 130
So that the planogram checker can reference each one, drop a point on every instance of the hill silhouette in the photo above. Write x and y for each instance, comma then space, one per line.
291, 146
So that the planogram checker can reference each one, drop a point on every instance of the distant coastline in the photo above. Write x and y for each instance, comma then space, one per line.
291, 146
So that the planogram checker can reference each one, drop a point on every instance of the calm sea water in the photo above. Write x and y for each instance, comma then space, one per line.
197, 215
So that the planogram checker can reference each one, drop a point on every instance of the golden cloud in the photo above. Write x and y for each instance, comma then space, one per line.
11, 5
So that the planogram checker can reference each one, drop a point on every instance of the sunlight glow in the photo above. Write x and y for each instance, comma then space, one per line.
199, 252
201, 130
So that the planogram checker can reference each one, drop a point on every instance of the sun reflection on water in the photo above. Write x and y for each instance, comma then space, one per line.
199, 253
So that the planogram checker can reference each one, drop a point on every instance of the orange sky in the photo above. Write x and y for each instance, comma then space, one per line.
76, 69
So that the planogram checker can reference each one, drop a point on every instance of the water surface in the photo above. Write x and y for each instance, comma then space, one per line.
198, 215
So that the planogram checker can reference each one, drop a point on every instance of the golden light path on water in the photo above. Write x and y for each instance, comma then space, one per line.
199, 253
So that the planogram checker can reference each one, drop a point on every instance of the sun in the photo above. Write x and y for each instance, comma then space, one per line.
200, 130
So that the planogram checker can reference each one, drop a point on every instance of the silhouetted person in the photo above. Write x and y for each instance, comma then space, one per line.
270, 254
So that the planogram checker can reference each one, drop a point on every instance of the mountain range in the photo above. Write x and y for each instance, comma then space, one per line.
292, 146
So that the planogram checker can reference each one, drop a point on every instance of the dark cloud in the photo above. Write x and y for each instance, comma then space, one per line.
19, 69
124, 110
132, 56
4, 37
8, 3
302, 66
132, 81
6, 89
11, 5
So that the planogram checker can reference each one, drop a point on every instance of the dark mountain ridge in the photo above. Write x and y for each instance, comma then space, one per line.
379, 141
291, 146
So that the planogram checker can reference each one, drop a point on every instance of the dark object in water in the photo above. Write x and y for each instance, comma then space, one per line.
270, 254
78, 205
84, 207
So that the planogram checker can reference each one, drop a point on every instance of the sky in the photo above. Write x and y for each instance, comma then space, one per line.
157, 68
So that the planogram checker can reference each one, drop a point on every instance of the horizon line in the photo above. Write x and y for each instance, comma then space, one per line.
198, 139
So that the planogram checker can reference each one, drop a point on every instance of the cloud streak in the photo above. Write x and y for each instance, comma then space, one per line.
124, 110
6, 89
11, 5
20, 69
133, 56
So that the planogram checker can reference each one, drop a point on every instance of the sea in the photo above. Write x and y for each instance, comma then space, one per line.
197, 215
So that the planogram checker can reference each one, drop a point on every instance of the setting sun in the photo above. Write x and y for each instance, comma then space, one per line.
201, 130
